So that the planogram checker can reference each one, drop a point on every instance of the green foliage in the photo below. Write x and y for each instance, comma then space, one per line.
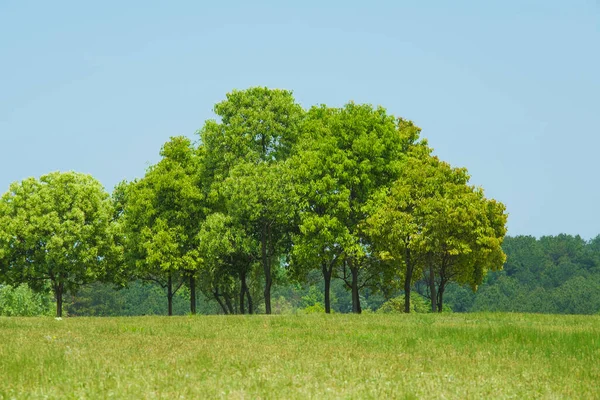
553, 274
313, 309
281, 305
578, 295
56, 230
313, 297
247, 180
344, 157
256, 125
160, 217
162, 212
430, 218
460, 298
418, 304
277, 196
21, 301
137, 298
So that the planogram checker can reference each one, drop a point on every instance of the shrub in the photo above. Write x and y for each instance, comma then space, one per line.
418, 304
21, 301
316, 308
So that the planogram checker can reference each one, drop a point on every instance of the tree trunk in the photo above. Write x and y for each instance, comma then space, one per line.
267, 270
218, 298
327, 277
242, 292
407, 281
432, 290
250, 303
170, 294
228, 303
355, 296
192, 294
440, 296
58, 293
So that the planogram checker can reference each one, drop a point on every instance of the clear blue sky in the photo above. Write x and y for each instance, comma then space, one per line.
508, 89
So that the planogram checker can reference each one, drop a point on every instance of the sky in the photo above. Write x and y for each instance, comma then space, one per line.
508, 89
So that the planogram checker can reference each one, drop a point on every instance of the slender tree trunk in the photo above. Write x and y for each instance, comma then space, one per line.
355, 295
192, 294
242, 292
440, 297
58, 293
250, 303
218, 298
432, 290
228, 303
267, 269
170, 294
407, 281
327, 277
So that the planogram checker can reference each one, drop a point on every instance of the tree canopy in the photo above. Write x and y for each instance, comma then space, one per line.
161, 216
56, 231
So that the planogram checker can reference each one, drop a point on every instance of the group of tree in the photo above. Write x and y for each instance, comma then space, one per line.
270, 193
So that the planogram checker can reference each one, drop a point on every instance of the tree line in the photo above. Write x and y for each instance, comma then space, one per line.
553, 274
269, 192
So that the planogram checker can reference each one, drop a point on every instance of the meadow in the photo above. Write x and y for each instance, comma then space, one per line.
302, 356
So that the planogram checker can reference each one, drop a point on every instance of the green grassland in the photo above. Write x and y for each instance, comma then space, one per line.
302, 356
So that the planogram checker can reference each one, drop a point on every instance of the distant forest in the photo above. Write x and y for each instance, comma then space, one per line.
553, 274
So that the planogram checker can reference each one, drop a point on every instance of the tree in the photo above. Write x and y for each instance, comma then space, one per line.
578, 295
320, 242
395, 227
552, 274
257, 131
162, 214
228, 254
323, 235
525, 258
432, 218
463, 232
345, 156
56, 229
260, 201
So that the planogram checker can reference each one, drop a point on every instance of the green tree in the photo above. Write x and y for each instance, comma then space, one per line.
162, 214
505, 295
463, 232
323, 207
96, 299
552, 274
228, 254
431, 217
525, 259
345, 156
578, 295
257, 130
260, 200
56, 229
396, 220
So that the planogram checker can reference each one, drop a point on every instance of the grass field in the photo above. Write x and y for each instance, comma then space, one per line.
305, 356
